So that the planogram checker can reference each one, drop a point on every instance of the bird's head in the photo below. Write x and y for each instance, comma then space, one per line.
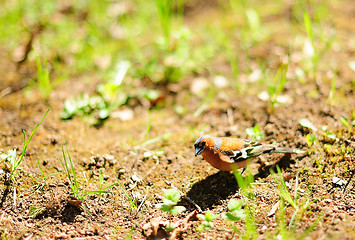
206, 141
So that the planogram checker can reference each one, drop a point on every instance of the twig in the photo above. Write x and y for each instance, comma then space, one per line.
14, 192
6, 91
230, 117
186, 197
2, 217
347, 184
141, 204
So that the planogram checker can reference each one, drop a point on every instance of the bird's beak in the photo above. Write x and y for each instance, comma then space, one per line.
198, 151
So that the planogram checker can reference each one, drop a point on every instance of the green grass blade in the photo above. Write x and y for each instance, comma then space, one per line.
18, 162
310, 228
133, 204
295, 197
66, 171
40, 169
112, 185
282, 187
308, 25
75, 181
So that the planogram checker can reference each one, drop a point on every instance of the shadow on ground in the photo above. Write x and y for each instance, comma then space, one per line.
212, 190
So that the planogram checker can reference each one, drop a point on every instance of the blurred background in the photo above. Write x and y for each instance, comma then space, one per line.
148, 50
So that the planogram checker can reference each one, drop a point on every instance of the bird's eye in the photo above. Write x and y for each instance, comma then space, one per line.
203, 143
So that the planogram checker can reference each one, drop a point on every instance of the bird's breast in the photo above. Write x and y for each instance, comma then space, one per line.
221, 161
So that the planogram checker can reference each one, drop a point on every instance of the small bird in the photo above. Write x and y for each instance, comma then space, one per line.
228, 154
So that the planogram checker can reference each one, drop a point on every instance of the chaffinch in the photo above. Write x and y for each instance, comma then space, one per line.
227, 154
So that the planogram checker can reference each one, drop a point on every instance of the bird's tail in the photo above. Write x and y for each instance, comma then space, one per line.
259, 149
286, 150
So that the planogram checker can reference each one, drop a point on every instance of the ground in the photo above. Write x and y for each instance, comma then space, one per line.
154, 150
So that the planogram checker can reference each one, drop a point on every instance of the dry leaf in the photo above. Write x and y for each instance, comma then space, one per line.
274, 209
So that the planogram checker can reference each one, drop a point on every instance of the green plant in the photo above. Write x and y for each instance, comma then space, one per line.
254, 32
255, 133
248, 196
309, 30
311, 139
245, 209
207, 220
82, 106
238, 5
132, 200
235, 213
299, 204
318, 40
346, 122
165, 12
307, 124
332, 89
36, 211
71, 175
11, 156
275, 86
170, 200
41, 182
78, 192
233, 59
43, 81
97, 108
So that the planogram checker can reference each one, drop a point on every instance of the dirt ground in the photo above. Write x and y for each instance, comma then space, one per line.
118, 147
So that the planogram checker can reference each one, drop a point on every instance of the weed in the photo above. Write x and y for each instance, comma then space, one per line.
163, 137
82, 106
36, 211
311, 139
78, 192
307, 124
11, 156
132, 200
98, 108
299, 204
255, 133
275, 86
254, 32
332, 89
233, 59
165, 12
312, 45
239, 5
346, 122
71, 175
235, 208
245, 209
170, 200
41, 182
207, 220
235, 213
44, 84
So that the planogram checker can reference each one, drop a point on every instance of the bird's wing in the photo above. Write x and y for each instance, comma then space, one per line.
240, 153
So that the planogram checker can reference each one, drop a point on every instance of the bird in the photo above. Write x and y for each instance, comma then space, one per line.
228, 153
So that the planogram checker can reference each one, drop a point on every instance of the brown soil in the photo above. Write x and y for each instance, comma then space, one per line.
117, 148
